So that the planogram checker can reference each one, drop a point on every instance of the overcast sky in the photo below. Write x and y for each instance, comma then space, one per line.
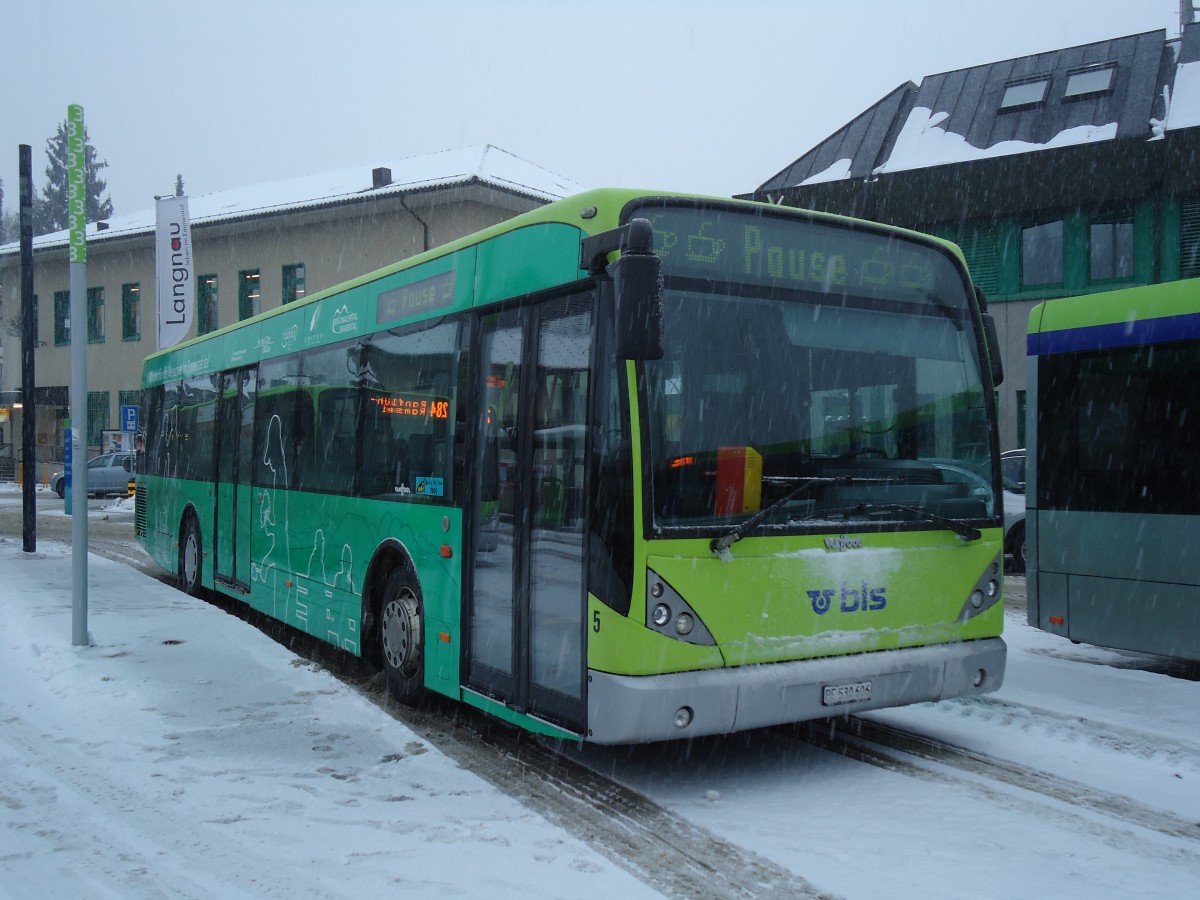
692, 95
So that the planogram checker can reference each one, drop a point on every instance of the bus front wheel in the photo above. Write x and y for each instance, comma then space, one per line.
401, 640
190, 554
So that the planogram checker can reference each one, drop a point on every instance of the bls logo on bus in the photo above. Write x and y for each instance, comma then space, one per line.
852, 599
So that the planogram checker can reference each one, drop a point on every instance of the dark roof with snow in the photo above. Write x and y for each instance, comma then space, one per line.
1113, 90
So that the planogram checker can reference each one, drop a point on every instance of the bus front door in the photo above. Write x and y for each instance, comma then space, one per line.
235, 447
527, 597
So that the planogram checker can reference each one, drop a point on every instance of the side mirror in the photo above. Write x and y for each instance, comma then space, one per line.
991, 339
638, 290
637, 284
992, 342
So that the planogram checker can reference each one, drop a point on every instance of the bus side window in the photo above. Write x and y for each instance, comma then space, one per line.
409, 411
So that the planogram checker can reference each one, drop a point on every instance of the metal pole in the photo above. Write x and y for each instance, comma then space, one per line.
28, 341
77, 215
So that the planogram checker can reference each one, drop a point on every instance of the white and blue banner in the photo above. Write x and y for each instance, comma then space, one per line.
173, 265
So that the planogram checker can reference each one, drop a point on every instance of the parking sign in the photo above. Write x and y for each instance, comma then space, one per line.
129, 418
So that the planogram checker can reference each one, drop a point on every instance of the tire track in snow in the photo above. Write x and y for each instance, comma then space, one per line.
660, 848
918, 756
1119, 739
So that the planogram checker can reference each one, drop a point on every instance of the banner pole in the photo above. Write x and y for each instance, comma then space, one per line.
77, 216
28, 344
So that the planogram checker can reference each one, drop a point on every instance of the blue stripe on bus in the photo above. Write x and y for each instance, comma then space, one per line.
1120, 334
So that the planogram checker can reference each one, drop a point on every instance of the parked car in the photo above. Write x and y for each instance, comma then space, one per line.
1013, 497
108, 473
1014, 525
1012, 466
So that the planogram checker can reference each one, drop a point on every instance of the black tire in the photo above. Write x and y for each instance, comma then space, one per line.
191, 556
400, 636
1016, 547
61, 490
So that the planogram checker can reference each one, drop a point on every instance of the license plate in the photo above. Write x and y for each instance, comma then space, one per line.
836, 694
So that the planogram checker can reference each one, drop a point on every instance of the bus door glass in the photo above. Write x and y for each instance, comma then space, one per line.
235, 437
527, 601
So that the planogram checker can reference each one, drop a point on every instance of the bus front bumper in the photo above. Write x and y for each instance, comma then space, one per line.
626, 709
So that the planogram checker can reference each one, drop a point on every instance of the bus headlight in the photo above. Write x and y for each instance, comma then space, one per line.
985, 594
672, 616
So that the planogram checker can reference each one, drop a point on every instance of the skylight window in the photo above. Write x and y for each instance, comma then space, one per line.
1025, 93
1095, 80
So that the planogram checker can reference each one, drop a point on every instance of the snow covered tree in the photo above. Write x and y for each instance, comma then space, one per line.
179, 185
50, 209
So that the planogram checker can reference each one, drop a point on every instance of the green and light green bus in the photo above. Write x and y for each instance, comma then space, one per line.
1113, 478
626, 468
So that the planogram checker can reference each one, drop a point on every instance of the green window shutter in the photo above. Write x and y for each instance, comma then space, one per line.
62, 317
97, 417
981, 249
1189, 238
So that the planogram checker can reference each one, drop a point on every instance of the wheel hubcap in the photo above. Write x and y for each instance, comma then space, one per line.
191, 557
401, 633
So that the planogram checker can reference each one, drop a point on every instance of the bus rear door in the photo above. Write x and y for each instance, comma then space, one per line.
235, 447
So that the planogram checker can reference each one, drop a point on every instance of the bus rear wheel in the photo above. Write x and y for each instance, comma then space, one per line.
401, 637
190, 554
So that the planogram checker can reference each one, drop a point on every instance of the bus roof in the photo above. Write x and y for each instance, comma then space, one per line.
1138, 315
589, 212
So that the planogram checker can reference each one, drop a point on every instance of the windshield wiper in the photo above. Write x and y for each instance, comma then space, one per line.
962, 529
735, 534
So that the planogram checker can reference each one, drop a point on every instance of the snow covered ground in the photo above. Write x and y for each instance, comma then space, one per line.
185, 754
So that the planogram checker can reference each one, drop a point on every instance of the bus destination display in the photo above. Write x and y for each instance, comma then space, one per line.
421, 407
729, 245
424, 296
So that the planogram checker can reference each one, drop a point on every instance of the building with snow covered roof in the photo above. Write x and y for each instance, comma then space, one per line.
1062, 173
254, 248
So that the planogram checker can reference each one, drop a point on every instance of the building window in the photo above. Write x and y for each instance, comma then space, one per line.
1042, 254
131, 312
97, 417
62, 317
206, 302
95, 315
248, 294
293, 282
1092, 80
1025, 93
1110, 248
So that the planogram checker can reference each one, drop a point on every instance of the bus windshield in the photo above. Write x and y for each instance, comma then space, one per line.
833, 367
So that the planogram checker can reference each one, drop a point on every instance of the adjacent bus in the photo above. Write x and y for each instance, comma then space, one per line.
1113, 486
625, 468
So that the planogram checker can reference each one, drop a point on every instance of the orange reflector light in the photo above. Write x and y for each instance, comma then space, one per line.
680, 461
447, 551
444, 637
287, 583
1057, 620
